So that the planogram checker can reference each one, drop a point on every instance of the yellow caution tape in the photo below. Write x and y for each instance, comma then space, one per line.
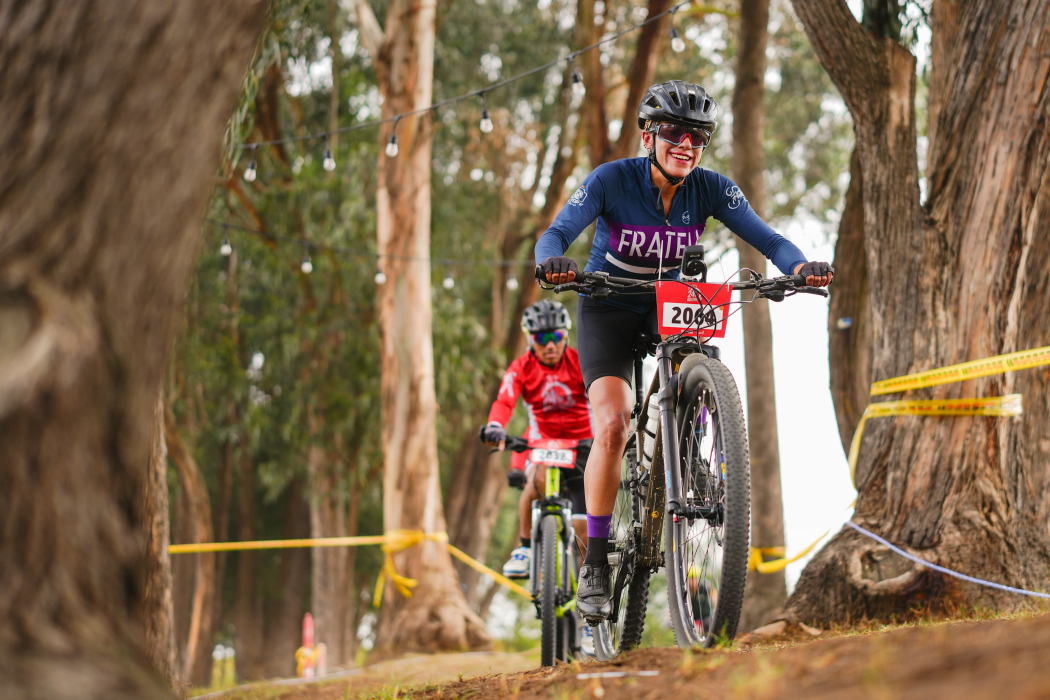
755, 561
1012, 362
392, 542
991, 406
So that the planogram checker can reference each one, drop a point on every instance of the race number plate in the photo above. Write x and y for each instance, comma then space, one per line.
558, 458
697, 309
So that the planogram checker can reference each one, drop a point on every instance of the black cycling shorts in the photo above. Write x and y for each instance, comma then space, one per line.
605, 338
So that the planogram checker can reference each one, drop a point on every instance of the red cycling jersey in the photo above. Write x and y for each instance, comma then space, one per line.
554, 397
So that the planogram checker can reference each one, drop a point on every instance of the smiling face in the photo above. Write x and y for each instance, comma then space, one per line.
678, 160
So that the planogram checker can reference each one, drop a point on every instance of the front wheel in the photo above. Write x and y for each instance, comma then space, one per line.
548, 572
707, 556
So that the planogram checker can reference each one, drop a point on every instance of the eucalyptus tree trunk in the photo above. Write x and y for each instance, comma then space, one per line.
113, 118
766, 593
961, 276
850, 339
437, 615
195, 649
157, 612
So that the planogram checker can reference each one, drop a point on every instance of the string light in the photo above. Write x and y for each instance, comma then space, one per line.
272, 237
677, 42
391, 147
250, 171
307, 266
512, 283
380, 277
486, 122
578, 88
448, 282
578, 91
329, 162
225, 250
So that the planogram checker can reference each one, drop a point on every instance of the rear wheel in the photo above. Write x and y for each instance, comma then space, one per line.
707, 556
548, 572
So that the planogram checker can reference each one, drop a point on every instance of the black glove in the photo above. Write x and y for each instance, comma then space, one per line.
516, 479
493, 433
558, 266
816, 269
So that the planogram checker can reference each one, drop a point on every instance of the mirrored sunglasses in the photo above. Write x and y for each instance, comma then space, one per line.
674, 134
549, 337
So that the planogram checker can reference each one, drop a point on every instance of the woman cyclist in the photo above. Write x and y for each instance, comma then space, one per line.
647, 210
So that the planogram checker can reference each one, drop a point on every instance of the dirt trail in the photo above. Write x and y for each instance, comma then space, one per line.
990, 659
995, 659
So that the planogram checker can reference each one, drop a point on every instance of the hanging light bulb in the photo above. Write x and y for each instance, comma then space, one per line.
250, 171
225, 249
677, 42
578, 88
391, 147
448, 283
307, 266
486, 121
329, 162
380, 277
512, 283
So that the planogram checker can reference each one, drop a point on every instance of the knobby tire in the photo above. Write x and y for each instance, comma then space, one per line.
727, 423
548, 589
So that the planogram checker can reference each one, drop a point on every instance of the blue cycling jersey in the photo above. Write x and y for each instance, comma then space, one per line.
634, 238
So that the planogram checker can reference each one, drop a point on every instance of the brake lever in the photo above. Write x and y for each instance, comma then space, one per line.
818, 291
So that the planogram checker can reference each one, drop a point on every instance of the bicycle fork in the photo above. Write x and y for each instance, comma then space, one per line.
669, 431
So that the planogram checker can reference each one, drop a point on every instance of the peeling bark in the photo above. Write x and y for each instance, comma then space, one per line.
964, 276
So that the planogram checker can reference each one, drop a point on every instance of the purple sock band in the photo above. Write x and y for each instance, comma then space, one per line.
598, 525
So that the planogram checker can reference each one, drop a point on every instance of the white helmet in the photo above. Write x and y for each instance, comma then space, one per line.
545, 315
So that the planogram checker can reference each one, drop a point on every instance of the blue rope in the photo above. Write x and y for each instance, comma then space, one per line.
964, 577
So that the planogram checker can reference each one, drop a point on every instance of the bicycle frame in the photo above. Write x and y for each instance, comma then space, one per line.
552, 505
669, 356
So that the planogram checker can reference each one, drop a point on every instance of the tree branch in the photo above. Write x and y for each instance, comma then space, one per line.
847, 52
368, 28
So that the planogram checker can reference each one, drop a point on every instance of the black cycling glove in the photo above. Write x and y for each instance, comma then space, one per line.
816, 269
558, 266
516, 479
493, 433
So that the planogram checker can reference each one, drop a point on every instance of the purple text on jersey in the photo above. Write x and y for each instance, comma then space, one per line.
652, 243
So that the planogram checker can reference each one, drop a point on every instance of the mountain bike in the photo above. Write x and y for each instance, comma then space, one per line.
684, 500
554, 559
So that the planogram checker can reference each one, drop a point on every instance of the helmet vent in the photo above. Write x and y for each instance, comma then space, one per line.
653, 102
707, 106
692, 102
676, 99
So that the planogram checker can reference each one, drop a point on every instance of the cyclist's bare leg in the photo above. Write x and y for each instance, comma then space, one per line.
528, 495
611, 403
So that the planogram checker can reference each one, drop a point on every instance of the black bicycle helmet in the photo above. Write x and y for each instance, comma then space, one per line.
678, 102
545, 315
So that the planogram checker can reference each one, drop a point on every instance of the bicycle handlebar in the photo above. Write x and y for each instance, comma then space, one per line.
601, 285
516, 444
